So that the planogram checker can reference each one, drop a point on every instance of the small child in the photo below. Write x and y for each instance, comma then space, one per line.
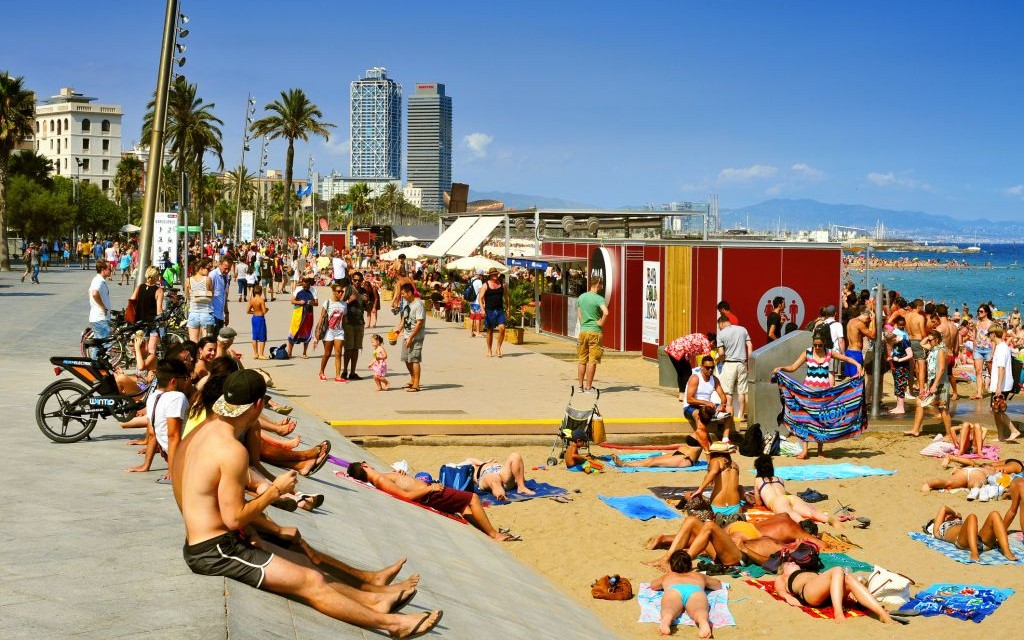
683, 592
899, 360
258, 309
379, 365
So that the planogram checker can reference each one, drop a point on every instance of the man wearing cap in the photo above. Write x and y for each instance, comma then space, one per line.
210, 472
226, 338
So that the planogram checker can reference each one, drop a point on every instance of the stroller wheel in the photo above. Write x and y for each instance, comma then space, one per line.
552, 462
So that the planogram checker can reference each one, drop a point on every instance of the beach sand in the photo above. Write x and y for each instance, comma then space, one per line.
573, 544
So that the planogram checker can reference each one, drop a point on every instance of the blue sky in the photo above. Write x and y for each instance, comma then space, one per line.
909, 105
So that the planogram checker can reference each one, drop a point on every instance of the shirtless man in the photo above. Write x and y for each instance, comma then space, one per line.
724, 477
209, 474
402, 278
756, 541
916, 329
861, 326
495, 477
951, 338
686, 455
435, 496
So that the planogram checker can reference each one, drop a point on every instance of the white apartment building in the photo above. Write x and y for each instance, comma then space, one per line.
82, 139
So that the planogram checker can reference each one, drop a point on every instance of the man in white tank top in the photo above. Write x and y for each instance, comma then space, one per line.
704, 394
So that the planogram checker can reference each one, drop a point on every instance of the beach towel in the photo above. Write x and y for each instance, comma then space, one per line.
650, 608
827, 613
678, 493
842, 470
828, 560
992, 556
628, 457
939, 448
344, 475
823, 415
963, 601
541, 489
640, 507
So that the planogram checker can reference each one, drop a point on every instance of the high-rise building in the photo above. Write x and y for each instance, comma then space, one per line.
83, 140
429, 154
376, 126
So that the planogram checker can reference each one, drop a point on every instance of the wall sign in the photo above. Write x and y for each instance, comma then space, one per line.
650, 324
602, 266
165, 237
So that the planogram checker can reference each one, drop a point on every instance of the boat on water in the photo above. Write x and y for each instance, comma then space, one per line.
972, 249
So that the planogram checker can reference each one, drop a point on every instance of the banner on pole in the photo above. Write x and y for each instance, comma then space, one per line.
165, 237
247, 230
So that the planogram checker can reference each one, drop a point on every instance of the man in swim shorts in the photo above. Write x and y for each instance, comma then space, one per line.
210, 471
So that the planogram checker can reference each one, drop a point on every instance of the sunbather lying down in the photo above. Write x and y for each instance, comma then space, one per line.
497, 478
963, 532
771, 493
686, 456
684, 591
802, 587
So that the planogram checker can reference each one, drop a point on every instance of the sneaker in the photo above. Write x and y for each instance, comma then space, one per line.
973, 493
722, 415
354, 376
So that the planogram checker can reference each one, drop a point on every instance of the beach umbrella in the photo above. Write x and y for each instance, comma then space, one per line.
475, 263
412, 252
406, 239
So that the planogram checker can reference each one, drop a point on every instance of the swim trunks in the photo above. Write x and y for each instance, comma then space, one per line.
448, 500
848, 369
229, 556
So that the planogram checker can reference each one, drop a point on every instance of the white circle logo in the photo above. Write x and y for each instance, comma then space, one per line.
793, 310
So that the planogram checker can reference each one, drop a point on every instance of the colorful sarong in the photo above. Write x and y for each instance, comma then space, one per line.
823, 415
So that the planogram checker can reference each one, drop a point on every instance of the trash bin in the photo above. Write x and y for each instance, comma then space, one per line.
666, 372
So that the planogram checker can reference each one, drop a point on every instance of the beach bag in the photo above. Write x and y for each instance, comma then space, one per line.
469, 293
611, 588
456, 476
321, 326
597, 429
889, 587
279, 353
823, 332
131, 311
753, 441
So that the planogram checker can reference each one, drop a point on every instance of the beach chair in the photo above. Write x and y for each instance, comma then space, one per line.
577, 424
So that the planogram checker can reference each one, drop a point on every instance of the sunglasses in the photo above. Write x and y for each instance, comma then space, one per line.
707, 367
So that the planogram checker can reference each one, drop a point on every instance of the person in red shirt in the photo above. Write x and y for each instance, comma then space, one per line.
723, 310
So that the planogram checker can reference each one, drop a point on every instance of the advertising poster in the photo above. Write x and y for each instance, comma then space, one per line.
247, 228
572, 323
652, 302
165, 237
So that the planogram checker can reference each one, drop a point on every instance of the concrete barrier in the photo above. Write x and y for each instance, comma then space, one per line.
762, 393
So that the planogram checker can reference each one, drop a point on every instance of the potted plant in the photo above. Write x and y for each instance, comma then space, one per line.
387, 288
520, 299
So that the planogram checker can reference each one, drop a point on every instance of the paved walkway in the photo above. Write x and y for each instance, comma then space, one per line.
89, 551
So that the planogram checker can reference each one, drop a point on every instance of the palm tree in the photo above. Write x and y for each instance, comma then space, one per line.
33, 166
293, 117
168, 186
240, 178
359, 201
128, 179
17, 113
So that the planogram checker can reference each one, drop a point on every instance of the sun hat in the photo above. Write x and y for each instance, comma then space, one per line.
723, 447
493, 271
242, 389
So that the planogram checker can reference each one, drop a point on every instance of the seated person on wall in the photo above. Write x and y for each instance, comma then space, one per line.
210, 472
497, 478
166, 410
702, 391
435, 495
687, 455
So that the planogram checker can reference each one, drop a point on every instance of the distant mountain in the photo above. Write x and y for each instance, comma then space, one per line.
811, 214
523, 201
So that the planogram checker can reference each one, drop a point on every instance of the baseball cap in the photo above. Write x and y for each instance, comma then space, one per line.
226, 334
242, 389
479, 272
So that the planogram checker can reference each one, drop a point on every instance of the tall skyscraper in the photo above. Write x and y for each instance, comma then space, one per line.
430, 143
376, 126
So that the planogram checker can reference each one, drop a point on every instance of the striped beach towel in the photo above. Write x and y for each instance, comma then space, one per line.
823, 415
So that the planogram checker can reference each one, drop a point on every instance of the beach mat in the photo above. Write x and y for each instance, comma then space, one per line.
990, 557
825, 613
678, 493
640, 507
808, 472
961, 601
650, 608
542, 489
628, 457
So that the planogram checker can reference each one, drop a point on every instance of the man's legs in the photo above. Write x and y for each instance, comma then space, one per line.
501, 338
581, 371
489, 336
726, 551
591, 370
474, 513
1016, 492
287, 578
682, 539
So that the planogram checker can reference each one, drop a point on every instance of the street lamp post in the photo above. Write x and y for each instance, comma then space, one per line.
250, 110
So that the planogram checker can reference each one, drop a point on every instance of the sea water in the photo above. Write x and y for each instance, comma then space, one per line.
995, 275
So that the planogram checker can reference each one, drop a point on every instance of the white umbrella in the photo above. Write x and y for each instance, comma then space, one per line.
411, 252
406, 239
475, 263
130, 228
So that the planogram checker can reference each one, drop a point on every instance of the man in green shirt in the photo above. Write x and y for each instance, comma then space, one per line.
591, 311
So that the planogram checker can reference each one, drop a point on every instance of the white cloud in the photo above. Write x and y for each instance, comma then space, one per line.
1015, 191
478, 143
746, 174
338, 146
891, 179
806, 171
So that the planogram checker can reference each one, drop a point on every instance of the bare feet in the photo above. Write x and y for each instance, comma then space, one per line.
657, 542
802, 456
409, 584
138, 442
911, 433
945, 461
413, 626
139, 469
665, 629
925, 488
660, 563
616, 460
704, 630
525, 490
387, 574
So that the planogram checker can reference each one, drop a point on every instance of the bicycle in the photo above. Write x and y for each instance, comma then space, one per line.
122, 350
68, 411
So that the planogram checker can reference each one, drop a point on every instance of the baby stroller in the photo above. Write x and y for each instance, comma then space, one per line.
577, 424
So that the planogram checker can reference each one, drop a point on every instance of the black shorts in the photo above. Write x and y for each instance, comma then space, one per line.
229, 556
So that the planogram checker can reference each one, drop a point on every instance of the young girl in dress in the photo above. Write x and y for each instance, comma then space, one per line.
379, 364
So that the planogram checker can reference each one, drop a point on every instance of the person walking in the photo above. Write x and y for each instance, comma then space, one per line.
734, 349
1001, 383
493, 298
591, 312
412, 323
99, 301
27, 257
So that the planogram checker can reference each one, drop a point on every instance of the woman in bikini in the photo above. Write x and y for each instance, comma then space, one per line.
686, 455
963, 532
684, 591
498, 478
724, 477
771, 493
801, 587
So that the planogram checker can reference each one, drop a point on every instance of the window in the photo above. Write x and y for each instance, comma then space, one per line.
86, 125
58, 145
105, 126
85, 180
85, 164
106, 166
58, 128
51, 126
51, 144
37, 126
65, 163
106, 183
66, 124
106, 145
85, 144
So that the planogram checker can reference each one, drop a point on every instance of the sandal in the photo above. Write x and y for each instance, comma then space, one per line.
810, 495
310, 501
412, 389
283, 409
321, 458
323, 378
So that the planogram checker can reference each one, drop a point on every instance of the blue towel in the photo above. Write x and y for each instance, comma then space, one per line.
992, 556
826, 471
700, 466
542, 489
640, 507
964, 601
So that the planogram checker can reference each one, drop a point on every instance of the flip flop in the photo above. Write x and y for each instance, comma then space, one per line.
314, 499
283, 409
412, 390
512, 538
417, 631
403, 599
163, 480
863, 521
321, 458
285, 504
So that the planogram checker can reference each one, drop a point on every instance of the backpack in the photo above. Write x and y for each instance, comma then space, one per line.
469, 294
822, 331
279, 353
456, 476
755, 443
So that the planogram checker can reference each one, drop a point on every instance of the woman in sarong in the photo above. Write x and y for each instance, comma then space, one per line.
301, 327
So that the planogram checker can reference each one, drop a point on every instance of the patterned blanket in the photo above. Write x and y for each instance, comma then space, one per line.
823, 415
963, 601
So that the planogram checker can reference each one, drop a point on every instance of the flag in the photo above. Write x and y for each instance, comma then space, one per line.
305, 191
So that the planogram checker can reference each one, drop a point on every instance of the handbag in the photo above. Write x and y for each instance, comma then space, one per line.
889, 587
321, 326
130, 310
611, 588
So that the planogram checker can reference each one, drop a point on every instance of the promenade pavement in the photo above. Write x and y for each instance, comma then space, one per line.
90, 551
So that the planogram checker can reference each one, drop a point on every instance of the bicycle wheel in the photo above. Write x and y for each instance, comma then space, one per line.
170, 340
86, 336
58, 412
119, 351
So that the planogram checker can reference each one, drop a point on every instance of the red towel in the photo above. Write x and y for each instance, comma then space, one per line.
851, 610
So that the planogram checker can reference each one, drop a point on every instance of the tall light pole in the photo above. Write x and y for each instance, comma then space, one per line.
250, 110
156, 140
